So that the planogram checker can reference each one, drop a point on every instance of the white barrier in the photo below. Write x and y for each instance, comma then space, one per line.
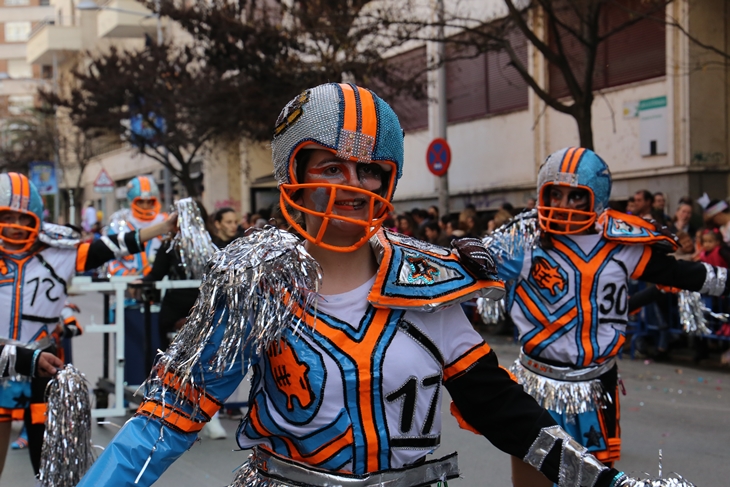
118, 285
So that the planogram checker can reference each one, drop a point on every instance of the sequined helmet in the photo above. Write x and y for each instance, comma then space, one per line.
354, 124
19, 194
572, 167
139, 188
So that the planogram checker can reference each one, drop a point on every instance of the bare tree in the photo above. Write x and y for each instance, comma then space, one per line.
567, 33
165, 101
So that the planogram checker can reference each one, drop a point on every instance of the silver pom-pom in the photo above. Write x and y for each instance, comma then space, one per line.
248, 476
693, 312
192, 242
520, 233
67, 449
676, 481
260, 279
492, 312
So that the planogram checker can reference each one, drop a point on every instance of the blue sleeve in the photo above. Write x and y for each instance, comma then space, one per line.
143, 438
509, 267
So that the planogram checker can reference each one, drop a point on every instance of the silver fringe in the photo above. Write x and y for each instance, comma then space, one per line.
250, 477
521, 232
192, 242
692, 313
563, 397
67, 449
260, 279
491, 312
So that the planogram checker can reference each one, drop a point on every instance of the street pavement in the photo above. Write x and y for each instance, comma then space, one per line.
680, 409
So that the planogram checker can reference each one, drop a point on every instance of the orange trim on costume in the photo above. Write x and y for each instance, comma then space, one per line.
641, 266
550, 326
15, 186
369, 116
566, 160
350, 105
18, 296
82, 253
6, 281
588, 271
378, 300
208, 404
460, 419
360, 352
38, 413
574, 160
316, 457
144, 184
7, 415
18, 413
468, 359
172, 417
509, 372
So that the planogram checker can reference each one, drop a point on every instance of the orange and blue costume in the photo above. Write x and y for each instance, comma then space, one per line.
569, 297
34, 277
136, 218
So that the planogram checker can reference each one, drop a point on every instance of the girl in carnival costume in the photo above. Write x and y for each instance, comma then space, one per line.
350, 335
37, 262
569, 296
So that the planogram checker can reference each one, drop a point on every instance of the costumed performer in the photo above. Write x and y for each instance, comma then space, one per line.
37, 262
348, 363
569, 296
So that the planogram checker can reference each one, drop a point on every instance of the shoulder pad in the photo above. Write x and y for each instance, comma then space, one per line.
59, 236
634, 230
417, 275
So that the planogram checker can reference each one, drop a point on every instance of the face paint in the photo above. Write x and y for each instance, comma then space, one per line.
321, 198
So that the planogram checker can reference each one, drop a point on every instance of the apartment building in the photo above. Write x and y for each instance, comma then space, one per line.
19, 79
661, 116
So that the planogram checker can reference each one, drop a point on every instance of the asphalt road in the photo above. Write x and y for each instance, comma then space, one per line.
681, 409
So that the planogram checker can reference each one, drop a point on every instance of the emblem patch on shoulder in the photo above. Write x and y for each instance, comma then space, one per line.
291, 113
421, 270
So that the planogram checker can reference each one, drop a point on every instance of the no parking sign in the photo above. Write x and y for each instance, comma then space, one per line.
438, 156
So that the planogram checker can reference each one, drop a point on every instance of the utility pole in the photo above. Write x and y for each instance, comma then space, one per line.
437, 109
167, 185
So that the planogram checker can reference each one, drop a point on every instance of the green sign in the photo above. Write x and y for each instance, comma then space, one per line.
652, 103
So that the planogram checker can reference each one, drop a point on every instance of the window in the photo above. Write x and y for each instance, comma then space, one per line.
19, 104
412, 111
18, 68
476, 84
633, 54
46, 71
16, 3
17, 31
487, 83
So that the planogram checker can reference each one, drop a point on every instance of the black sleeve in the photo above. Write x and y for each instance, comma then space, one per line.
162, 263
665, 269
23, 360
642, 298
99, 252
497, 406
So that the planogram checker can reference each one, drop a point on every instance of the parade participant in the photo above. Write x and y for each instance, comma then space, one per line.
37, 262
347, 375
569, 293
143, 197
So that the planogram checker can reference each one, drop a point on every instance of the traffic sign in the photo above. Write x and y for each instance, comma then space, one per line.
104, 183
438, 156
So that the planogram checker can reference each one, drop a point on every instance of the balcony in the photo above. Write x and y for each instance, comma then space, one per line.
49, 40
125, 18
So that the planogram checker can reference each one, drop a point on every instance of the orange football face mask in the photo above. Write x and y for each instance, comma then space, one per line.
564, 221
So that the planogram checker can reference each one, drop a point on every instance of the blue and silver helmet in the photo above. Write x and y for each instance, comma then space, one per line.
573, 167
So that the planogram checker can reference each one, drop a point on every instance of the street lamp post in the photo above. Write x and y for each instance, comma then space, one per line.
90, 5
